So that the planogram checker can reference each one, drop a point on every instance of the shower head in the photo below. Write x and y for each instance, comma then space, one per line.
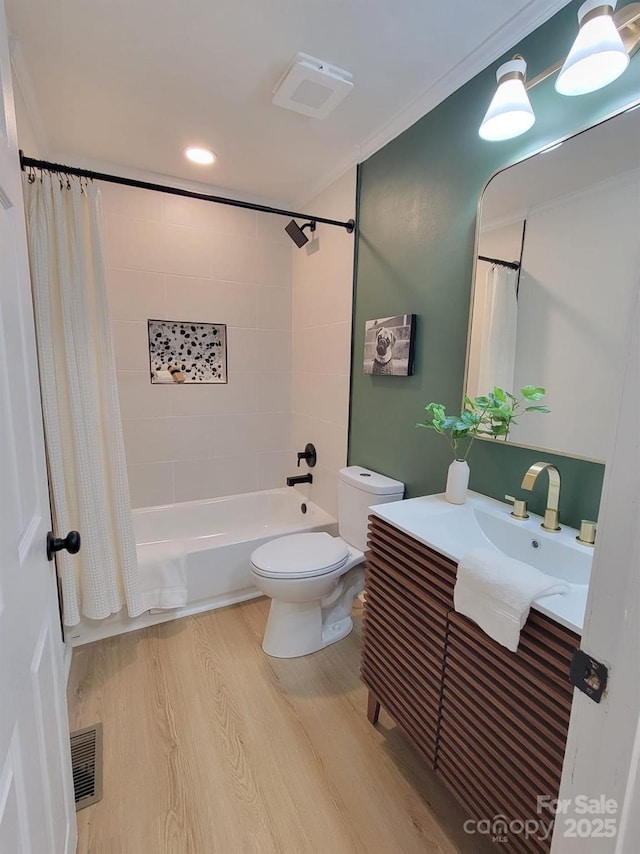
296, 232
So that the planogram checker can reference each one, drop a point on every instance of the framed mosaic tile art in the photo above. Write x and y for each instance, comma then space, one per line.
187, 352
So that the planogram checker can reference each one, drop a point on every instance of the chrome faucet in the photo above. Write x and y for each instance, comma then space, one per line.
551, 516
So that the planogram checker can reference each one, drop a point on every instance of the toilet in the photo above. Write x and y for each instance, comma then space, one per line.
313, 578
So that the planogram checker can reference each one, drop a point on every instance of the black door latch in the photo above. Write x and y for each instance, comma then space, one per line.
588, 675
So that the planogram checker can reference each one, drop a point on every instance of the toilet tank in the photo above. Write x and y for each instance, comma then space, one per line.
358, 489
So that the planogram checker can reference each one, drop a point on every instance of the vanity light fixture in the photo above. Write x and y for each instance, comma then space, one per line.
202, 156
510, 112
598, 55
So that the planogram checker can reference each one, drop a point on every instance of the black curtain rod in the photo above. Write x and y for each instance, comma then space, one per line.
512, 265
26, 162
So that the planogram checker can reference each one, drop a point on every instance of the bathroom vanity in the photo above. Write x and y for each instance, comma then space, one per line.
491, 723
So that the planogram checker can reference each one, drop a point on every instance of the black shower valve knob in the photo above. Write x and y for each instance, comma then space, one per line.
309, 455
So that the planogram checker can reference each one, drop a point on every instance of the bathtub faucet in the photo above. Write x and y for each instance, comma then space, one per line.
301, 478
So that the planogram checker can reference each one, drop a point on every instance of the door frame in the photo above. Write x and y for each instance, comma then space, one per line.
603, 746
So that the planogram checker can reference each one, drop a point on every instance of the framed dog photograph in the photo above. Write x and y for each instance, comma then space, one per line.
389, 344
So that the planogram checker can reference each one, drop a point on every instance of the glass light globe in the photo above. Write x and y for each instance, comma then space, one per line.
598, 55
510, 112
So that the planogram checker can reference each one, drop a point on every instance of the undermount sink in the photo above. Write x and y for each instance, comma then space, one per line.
482, 522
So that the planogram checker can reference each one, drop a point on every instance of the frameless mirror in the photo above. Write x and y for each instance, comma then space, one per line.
558, 266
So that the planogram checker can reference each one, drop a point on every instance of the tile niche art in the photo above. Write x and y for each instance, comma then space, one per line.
189, 352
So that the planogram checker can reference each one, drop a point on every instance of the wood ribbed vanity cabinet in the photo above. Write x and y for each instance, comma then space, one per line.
409, 593
492, 723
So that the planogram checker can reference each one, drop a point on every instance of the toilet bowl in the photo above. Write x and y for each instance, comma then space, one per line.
313, 578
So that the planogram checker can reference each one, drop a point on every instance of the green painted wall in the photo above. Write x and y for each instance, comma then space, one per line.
417, 214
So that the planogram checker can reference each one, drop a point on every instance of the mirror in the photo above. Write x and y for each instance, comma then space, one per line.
567, 222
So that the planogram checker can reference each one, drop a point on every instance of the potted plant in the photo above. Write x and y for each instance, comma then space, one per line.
491, 415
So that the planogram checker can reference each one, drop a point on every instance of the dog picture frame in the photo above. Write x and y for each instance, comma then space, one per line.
389, 346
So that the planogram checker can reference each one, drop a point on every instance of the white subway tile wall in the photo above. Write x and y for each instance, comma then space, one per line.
288, 316
171, 258
322, 306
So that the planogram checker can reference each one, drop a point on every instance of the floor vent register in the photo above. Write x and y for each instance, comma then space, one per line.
86, 763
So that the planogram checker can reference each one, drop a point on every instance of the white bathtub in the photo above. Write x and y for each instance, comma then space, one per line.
220, 534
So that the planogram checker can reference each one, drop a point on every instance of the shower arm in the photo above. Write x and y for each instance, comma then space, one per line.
59, 168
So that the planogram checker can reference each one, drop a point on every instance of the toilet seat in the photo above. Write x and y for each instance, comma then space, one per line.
300, 556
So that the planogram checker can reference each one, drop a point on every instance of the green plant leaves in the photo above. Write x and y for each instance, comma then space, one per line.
491, 414
469, 418
530, 392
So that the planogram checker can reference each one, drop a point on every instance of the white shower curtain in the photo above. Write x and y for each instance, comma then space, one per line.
499, 329
87, 469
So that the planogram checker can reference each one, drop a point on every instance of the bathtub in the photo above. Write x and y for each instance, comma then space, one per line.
220, 534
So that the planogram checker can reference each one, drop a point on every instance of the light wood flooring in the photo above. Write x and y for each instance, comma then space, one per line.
212, 747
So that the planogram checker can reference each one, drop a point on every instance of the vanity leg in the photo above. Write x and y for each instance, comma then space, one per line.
373, 708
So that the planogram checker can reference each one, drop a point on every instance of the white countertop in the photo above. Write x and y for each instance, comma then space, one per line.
453, 530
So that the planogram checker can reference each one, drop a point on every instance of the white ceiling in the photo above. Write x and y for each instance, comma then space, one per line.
133, 82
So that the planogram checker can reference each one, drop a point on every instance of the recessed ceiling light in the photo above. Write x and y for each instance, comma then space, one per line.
200, 155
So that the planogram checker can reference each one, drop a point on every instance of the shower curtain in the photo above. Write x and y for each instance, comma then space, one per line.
85, 449
499, 329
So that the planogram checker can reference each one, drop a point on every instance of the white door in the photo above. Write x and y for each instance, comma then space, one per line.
37, 811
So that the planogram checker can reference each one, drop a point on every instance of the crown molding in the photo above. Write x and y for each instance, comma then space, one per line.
535, 13
514, 30
316, 187
23, 81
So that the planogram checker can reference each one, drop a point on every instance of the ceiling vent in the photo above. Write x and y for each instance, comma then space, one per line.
312, 87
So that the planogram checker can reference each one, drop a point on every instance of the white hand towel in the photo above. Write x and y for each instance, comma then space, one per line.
496, 592
163, 376
162, 572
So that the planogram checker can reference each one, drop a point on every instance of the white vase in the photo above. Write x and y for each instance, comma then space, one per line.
457, 482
